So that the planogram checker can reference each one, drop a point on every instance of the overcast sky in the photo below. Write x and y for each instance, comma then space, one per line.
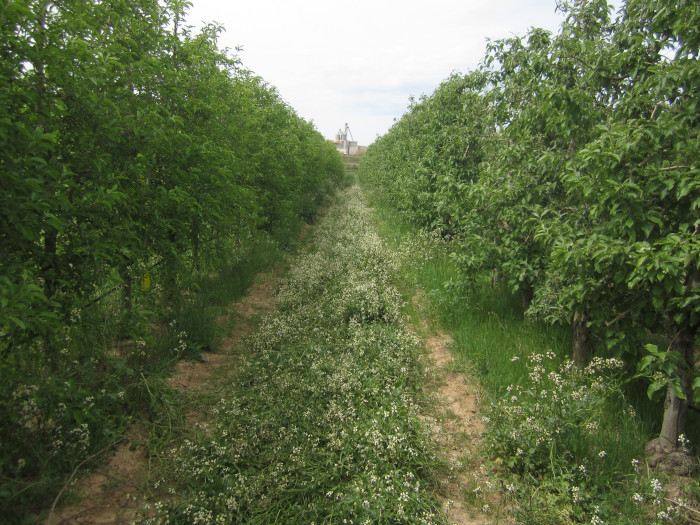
359, 62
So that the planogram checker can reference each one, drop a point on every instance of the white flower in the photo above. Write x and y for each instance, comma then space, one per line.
576, 493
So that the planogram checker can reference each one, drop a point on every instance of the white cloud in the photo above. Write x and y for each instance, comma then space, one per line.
359, 62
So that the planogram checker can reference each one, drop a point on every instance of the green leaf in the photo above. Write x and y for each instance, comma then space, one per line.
652, 349
646, 362
18, 322
654, 388
678, 388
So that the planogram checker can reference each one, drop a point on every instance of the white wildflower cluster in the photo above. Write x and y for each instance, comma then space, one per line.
53, 425
140, 348
181, 347
576, 494
652, 497
598, 365
596, 519
80, 439
324, 409
430, 244
537, 425
29, 412
667, 514
657, 490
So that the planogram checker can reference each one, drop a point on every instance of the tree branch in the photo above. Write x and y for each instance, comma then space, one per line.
75, 471
686, 508
622, 315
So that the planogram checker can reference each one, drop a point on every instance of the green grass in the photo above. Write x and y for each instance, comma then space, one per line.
488, 328
562, 461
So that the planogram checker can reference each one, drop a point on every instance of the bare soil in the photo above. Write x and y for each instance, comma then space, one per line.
110, 492
457, 430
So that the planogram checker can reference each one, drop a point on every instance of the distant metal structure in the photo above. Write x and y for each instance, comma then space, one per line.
342, 138
343, 134
345, 143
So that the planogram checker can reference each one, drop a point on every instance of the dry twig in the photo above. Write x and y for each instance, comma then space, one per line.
75, 471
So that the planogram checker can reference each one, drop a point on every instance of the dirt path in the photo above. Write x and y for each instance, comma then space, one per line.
237, 322
457, 430
111, 493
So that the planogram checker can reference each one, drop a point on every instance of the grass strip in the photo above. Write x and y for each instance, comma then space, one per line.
320, 425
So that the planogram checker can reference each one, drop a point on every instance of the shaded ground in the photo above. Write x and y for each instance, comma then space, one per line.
113, 492
238, 321
109, 494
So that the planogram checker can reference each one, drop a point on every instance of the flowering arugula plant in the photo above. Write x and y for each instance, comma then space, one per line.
552, 434
534, 423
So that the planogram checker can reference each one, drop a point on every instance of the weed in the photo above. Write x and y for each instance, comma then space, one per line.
569, 445
321, 424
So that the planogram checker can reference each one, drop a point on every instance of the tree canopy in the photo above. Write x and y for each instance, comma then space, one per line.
568, 163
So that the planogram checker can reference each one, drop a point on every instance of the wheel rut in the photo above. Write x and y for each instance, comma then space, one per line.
457, 431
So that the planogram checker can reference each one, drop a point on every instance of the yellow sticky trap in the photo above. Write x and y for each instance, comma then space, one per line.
145, 281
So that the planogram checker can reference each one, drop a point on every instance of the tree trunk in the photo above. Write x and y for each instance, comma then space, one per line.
170, 270
675, 409
127, 301
49, 271
195, 246
581, 336
527, 294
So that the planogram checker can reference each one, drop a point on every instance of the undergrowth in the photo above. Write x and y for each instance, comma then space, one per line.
568, 445
320, 424
110, 370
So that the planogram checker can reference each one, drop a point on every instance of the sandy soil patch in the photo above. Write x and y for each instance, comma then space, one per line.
110, 492
457, 430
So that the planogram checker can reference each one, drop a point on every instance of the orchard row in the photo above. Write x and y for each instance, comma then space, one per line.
567, 165
145, 176
126, 142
